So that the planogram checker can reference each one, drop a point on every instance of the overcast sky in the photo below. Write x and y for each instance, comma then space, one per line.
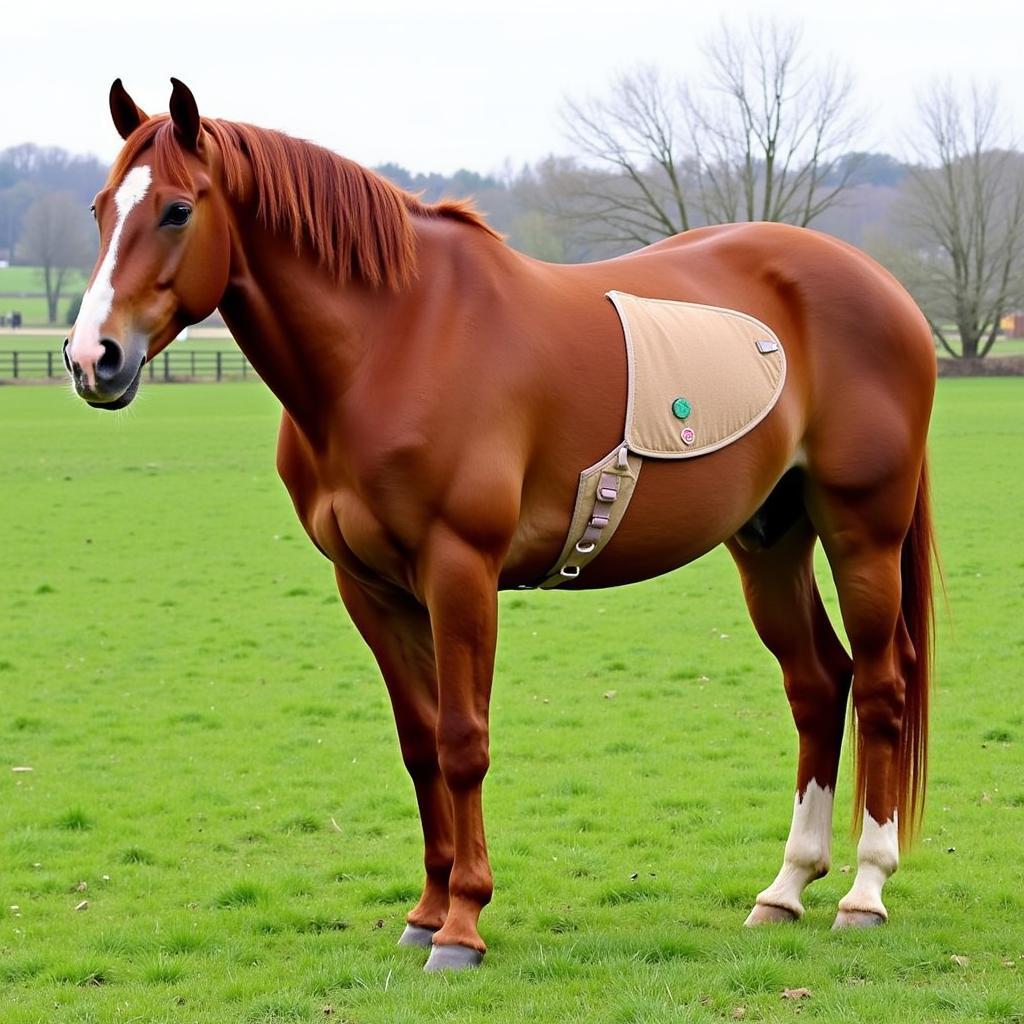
441, 85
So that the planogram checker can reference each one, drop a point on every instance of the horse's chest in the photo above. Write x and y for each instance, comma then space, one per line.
348, 533
321, 523
334, 515
344, 533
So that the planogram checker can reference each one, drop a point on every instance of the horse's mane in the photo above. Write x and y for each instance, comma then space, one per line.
356, 222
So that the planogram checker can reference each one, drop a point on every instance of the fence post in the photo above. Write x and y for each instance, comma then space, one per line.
218, 365
15, 354
193, 361
49, 364
167, 365
152, 369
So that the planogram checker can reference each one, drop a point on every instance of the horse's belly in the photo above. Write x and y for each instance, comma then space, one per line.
676, 516
672, 520
680, 510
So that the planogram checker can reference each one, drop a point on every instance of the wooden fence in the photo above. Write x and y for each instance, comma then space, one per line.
173, 364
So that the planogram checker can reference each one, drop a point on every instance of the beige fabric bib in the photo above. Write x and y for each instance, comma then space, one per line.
708, 358
699, 377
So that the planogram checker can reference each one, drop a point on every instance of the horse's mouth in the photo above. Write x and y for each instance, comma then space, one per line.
126, 396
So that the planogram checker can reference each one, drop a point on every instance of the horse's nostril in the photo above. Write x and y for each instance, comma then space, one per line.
67, 358
109, 364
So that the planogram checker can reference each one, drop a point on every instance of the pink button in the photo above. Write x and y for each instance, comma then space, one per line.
688, 435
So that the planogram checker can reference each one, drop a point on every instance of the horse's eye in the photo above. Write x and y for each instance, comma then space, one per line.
176, 215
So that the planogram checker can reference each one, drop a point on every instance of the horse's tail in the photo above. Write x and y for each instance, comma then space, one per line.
917, 558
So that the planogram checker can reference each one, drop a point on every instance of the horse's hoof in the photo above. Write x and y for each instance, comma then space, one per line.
857, 919
453, 958
764, 913
414, 935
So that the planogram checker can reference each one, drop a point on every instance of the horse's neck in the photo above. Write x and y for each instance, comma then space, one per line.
302, 332
305, 334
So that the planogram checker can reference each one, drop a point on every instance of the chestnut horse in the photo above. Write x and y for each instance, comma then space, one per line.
441, 395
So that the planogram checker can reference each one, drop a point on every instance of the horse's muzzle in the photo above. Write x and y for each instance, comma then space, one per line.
115, 376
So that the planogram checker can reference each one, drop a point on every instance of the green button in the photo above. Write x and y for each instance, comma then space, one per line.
681, 408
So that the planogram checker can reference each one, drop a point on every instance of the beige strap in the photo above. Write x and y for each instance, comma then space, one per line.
602, 497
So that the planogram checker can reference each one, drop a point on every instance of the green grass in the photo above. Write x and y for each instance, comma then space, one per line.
213, 757
30, 280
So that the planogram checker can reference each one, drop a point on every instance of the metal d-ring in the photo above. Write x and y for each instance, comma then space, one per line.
585, 548
570, 572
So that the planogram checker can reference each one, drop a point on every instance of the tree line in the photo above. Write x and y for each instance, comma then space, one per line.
761, 132
45, 193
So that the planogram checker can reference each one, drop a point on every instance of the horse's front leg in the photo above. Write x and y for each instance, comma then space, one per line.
397, 630
460, 589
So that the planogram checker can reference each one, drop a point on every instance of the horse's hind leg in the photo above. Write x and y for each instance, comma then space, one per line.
787, 611
397, 630
863, 532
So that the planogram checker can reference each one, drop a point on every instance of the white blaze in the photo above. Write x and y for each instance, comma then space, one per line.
99, 299
808, 849
878, 856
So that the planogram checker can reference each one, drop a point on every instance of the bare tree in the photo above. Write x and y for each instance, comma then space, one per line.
964, 217
773, 137
636, 134
57, 238
763, 138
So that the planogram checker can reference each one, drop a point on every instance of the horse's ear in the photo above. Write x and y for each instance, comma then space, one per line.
123, 109
185, 115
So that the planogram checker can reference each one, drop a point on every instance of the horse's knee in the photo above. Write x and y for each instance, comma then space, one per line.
463, 756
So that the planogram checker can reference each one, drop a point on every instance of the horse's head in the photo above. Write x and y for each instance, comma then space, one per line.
164, 248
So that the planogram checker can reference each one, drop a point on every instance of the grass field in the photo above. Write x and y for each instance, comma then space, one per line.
216, 783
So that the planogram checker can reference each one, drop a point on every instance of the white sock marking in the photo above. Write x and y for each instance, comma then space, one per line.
808, 849
878, 856
99, 298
